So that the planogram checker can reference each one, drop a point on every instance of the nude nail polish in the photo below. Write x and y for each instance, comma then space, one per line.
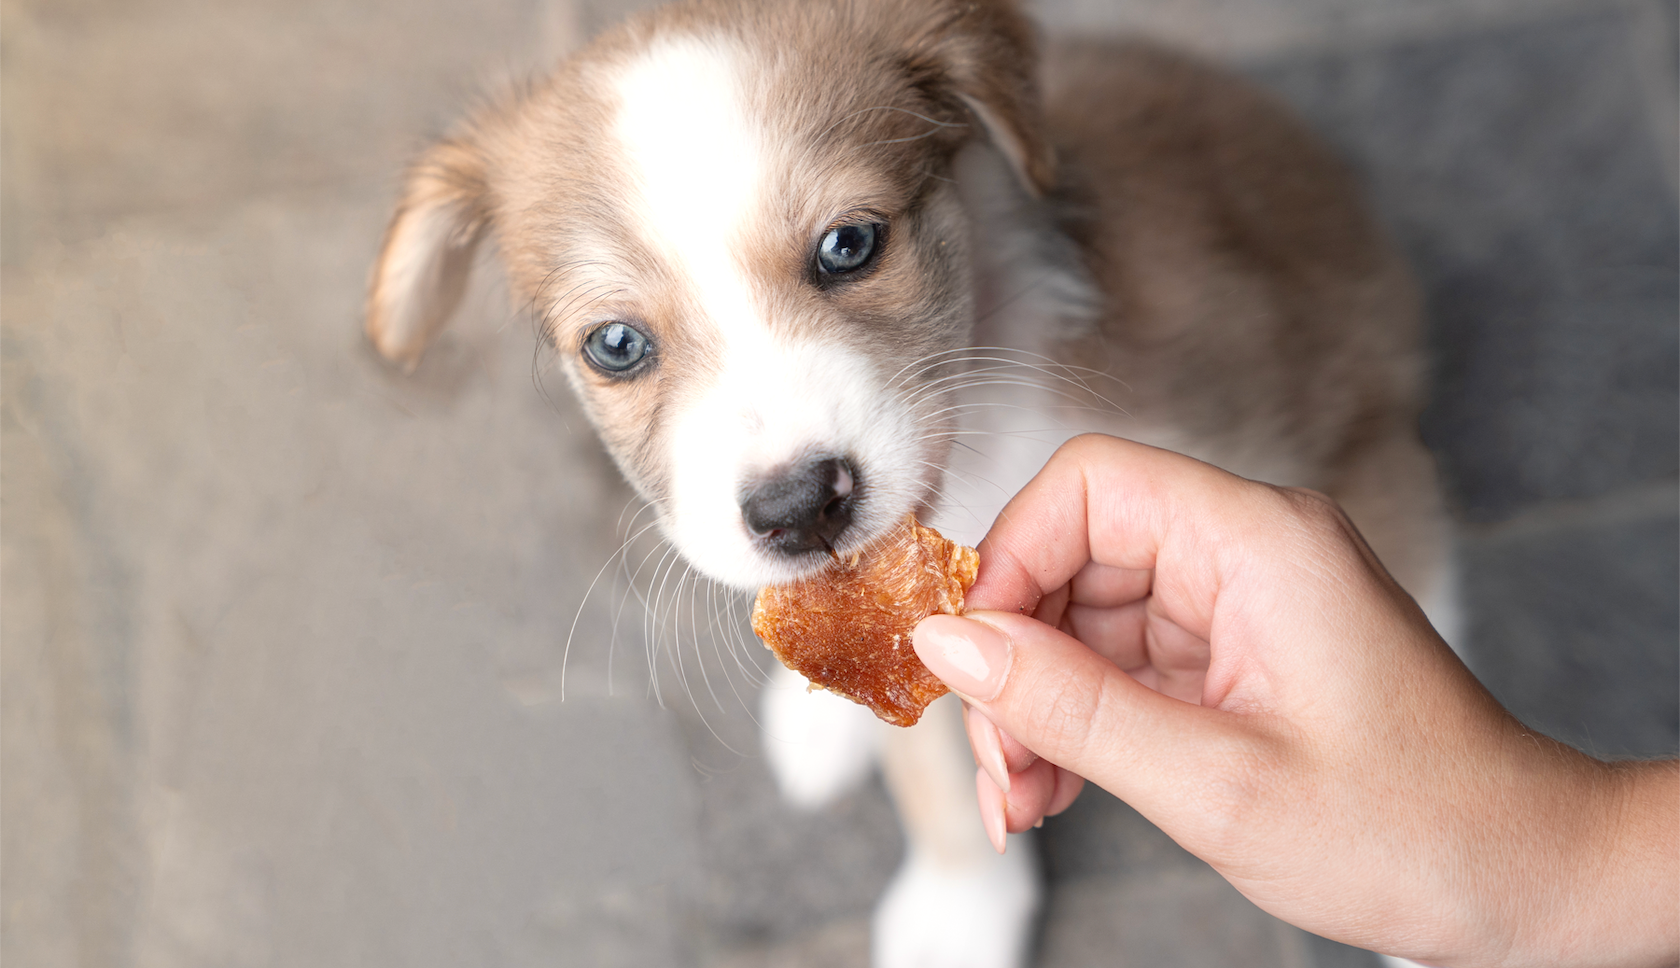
970, 657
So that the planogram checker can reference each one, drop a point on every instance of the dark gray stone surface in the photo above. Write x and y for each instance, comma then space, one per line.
1573, 624
1519, 173
1099, 835
1171, 918
773, 872
1101, 846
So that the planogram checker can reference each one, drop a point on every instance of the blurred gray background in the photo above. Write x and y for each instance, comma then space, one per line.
283, 632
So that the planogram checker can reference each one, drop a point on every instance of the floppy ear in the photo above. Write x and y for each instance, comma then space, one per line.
982, 54
428, 251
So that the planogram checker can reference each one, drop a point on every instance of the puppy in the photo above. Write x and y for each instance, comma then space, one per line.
812, 265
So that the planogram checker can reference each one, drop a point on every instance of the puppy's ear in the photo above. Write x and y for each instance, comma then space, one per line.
428, 250
982, 53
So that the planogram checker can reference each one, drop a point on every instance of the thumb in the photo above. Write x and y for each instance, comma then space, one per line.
1078, 710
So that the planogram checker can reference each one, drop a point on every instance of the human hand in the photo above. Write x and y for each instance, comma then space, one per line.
1231, 660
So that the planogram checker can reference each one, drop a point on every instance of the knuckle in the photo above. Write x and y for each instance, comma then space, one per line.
1319, 520
1061, 717
1316, 508
1086, 448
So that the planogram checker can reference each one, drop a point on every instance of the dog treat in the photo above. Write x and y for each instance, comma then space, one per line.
848, 628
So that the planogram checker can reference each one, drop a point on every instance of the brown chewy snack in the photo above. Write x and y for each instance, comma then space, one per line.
848, 628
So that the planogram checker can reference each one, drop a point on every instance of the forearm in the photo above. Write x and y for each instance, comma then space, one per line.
1617, 902
1631, 915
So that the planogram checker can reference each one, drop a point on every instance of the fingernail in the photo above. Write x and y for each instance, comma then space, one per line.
987, 743
991, 810
971, 658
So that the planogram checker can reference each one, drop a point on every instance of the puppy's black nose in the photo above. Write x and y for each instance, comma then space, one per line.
802, 508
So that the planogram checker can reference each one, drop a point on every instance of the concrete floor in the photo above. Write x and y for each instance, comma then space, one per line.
284, 634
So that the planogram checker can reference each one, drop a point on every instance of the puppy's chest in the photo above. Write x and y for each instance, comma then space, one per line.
1039, 370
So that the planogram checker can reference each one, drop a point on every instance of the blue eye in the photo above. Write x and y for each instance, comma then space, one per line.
847, 248
615, 347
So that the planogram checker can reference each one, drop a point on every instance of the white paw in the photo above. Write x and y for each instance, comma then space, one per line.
1389, 961
818, 744
977, 916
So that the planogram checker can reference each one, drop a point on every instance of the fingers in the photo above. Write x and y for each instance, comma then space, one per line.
1105, 585
1134, 551
1067, 789
1101, 511
1074, 708
1118, 634
1042, 790
992, 810
999, 755
1023, 787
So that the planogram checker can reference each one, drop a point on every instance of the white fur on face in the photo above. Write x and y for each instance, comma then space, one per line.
697, 164
698, 167
774, 405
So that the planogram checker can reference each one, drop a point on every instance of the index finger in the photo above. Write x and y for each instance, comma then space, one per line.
1108, 501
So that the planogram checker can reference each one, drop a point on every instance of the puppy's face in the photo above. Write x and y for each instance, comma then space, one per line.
751, 263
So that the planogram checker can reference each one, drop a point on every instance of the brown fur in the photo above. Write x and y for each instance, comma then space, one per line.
1154, 219
1250, 300
1247, 301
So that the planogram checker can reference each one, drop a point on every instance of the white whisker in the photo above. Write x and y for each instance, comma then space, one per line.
634, 591
566, 653
956, 381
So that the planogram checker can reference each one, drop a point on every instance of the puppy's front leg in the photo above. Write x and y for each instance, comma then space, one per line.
955, 903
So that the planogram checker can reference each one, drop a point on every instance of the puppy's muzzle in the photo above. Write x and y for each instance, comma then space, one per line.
801, 508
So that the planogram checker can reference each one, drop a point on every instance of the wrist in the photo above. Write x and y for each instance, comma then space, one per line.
1615, 895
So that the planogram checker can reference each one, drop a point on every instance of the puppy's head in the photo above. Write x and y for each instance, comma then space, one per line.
738, 225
